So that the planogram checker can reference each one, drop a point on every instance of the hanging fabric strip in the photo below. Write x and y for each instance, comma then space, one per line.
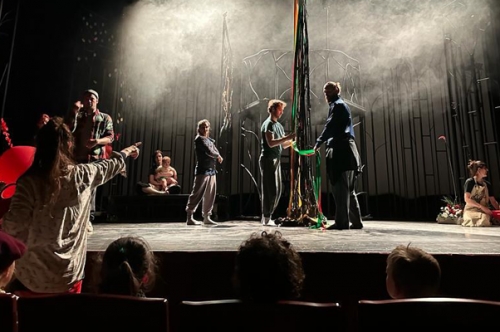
317, 181
303, 207
294, 91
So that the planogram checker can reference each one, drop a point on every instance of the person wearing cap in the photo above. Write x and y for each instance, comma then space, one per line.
50, 210
92, 131
11, 250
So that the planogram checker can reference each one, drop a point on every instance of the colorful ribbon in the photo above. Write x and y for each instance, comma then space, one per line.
316, 182
302, 179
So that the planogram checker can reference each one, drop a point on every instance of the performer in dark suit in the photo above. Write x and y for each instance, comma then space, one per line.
342, 159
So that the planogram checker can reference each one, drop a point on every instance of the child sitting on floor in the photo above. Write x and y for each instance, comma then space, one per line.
128, 268
166, 175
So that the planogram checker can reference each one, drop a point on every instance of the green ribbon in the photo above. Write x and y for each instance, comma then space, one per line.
302, 152
316, 183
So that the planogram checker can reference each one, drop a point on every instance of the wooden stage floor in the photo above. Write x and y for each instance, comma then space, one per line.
376, 237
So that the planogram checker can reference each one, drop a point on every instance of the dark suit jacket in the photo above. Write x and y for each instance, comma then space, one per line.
341, 153
206, 155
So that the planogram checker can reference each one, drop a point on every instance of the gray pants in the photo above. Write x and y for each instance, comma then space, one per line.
346, 202
204, 188
271, 186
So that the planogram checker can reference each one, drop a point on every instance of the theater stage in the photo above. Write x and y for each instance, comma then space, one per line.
377, 237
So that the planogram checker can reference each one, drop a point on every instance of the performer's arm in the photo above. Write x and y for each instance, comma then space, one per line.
272, 142
469, 201
16, 221
103, 170
71, 116
44, 119
209, 149
338, 119
287, 144
491, 197
494, 203
107, 137
469, 185
104, 141
152, 180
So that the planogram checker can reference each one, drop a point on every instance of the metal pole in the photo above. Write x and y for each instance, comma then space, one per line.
10, 59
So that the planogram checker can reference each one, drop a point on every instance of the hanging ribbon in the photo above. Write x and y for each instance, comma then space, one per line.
306, 153
305, 188
316, 182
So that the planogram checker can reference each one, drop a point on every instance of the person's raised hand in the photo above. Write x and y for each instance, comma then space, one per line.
133, 150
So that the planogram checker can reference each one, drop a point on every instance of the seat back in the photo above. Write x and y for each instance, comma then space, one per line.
428, 313
8, 314
91, 312
234, 315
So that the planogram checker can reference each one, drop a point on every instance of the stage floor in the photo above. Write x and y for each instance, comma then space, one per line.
375, 237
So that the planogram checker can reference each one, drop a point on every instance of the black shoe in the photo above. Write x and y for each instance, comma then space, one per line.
336, 226
279, 220
360, 226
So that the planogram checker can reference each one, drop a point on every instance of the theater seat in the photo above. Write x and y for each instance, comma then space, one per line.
428, 313
91, 312
234, 315
8, 314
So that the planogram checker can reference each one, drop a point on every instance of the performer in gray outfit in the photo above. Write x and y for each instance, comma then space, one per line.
273, 142
205, 185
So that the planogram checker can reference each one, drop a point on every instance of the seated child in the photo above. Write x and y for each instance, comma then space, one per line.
11, 249
166, 175
128, 268
411, 273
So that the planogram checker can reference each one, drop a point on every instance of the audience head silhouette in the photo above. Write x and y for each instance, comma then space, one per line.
128, 267
268, 269
412, 273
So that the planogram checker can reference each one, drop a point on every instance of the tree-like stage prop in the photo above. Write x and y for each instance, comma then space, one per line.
304, 208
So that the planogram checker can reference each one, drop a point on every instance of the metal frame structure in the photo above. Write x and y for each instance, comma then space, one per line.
265, 77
